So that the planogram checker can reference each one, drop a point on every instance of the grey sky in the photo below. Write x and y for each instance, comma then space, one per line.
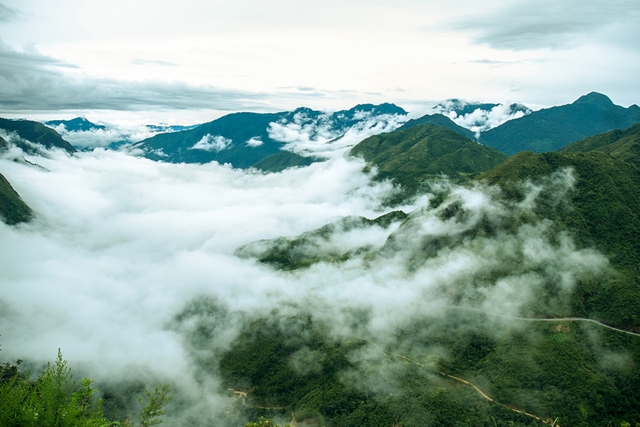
551, 24
202, 57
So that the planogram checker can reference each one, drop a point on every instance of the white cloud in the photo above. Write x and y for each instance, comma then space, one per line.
101, 138
319, 137
480, 120
255, 142
212, 143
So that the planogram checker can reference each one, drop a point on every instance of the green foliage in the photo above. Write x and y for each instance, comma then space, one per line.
154, 408
54, 399
566, 372
12, 209
549, 369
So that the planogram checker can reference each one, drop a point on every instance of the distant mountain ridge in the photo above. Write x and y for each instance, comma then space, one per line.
77, 124
243, 139
553, 128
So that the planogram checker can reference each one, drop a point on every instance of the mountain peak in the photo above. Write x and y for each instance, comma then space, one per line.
594, 98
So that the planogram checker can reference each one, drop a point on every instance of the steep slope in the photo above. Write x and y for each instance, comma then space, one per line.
621, 145
603, 212
439, 120
243, 139
36, 133
556, 127
12, 209
411, 156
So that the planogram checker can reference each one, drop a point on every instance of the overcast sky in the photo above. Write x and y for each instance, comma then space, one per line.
191, 60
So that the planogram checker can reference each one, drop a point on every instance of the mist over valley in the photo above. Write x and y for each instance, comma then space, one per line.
364, 267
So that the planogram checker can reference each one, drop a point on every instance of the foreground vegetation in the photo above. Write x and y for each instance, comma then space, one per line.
55, 399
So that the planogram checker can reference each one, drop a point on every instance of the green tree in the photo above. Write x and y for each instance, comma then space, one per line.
54, 399
154, 409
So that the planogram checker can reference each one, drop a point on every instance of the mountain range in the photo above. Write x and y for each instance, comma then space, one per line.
553, 128
243, 139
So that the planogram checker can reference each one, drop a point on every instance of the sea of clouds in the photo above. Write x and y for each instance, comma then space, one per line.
121, 245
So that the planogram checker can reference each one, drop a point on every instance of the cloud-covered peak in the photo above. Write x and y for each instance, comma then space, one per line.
479, 117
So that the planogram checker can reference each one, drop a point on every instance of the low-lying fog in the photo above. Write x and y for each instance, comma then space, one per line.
120, 245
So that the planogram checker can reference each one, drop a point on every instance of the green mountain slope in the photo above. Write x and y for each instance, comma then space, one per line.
409, 157
556, 127
603, 212
12, 209
36, 133
621, 145
292, 364
439, 120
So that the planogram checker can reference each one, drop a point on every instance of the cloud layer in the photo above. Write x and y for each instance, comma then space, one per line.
547, 24
121, 246
32, 81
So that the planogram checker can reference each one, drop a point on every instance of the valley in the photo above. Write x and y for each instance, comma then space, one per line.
354, 268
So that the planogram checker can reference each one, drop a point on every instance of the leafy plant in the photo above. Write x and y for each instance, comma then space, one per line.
55, 399
154, 409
